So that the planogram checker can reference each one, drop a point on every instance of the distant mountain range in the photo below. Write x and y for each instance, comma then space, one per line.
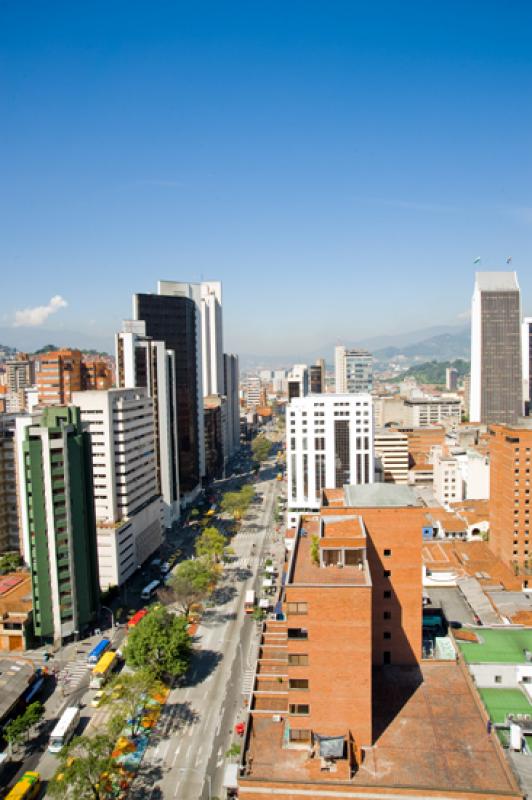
29, 340
439, 343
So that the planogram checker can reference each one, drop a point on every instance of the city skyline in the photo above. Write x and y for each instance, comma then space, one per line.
343, 168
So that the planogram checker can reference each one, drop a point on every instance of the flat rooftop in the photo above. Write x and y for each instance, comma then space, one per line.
305, 571
376, 495
498, 646
15, 676
500, 702
429, 735
470, 558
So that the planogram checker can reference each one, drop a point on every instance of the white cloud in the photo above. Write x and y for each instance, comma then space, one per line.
32, 317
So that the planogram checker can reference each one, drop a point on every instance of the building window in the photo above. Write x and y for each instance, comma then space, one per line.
298, 683
297, 659
387, 657
297, 633
387, 552
386, 635
387, 573
387, 615
498, 679
299, 708
387, 594
297, 608
301, 735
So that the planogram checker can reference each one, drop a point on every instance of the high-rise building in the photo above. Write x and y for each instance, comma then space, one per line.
526, 351
174, 320
353, 370
58, 521
451, 379
317, 377
298, 381
128, 507
391, 455
496, 383
280, 385
329, 443
253, 388
231, 391
58, 374
20, 375
510, 466
144, 362
215, 427
9, 512
96, 373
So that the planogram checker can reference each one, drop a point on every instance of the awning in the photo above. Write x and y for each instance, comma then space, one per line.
331, 746
267, 583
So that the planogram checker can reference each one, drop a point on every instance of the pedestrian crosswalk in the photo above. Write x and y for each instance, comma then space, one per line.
73, 673
244, 562
247, 682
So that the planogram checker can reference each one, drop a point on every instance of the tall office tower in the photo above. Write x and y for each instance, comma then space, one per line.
174, 320
253, 390
144, 362
58, 374
353, 370
496, 384
128, 508
231, 386
526, 350
451, 379
510, 465
216, 448
298, 381
280, 383
317, 377
9, 513
96, 373
20, 375
329, 443
58, 522
391, 455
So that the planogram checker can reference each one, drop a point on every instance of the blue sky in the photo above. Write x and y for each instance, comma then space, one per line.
338, 165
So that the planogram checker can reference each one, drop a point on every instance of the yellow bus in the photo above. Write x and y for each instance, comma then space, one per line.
26, 788
103, 669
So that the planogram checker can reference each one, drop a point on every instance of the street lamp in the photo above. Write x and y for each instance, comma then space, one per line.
112, 616
192, 769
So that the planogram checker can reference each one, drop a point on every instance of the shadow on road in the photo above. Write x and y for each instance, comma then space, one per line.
213, 618
143, 786
243, 573
203, 663
222, 595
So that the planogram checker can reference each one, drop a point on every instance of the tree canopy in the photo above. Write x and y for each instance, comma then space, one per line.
9, 562
210, 544
160, 643
82, 764
132, 688
237, 503
16, 731
191, 583
261, 447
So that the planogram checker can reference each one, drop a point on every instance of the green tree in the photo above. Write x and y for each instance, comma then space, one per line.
133, 690
9, 562
191, 583
16, 731
210, 544
160, 643
261, 448
82, 765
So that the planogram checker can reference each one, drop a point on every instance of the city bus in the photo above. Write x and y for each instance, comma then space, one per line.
26, 788
249, 601
103, 669
149, 590
136, 618
64, 730
97, 652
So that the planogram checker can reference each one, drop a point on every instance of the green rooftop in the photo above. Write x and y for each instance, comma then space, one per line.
500, 702
498, 646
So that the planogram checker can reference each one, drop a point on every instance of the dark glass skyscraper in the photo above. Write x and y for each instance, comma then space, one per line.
172, 319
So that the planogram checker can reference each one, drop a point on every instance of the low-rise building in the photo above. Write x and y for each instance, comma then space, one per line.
16, 607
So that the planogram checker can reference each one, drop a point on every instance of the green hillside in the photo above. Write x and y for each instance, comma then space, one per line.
434, 371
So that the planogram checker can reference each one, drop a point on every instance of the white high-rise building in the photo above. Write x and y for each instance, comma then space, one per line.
496, 382
353, 370
128, 507
298, 381
329, 443
143, 362
526, 350
391, 454
253, 391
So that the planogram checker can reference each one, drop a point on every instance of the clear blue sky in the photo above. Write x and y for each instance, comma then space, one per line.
338, 165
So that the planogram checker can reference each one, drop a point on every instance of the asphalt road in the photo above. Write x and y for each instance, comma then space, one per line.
186, 758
